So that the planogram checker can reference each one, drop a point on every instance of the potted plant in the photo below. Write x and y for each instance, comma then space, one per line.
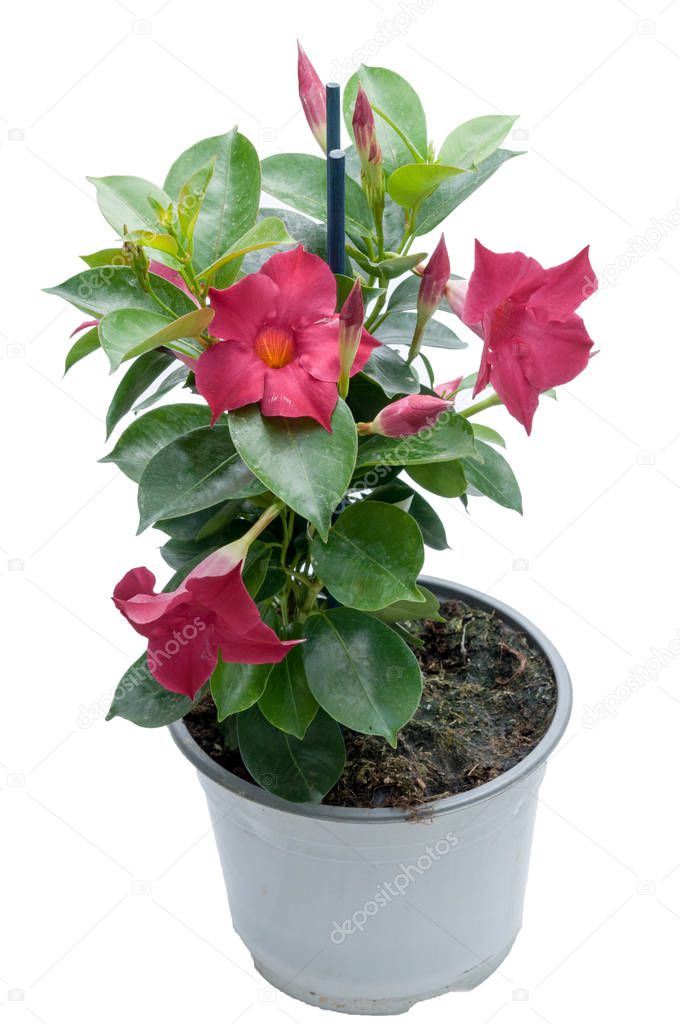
370, 741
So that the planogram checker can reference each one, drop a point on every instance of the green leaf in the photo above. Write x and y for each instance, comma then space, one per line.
302, 771
412, 183
160, 243
193, 472
169, 383
361, 672
473, 141
405, 296
373, 556
232, 199
399, 327
105, 258
387, 269
103, 289
141, 699
138, 444
126, 333
124, 203
393, 95
138, 378
391, 372
444, 478
455, 191
298, 460
306, 232
191, 196
494, 478
484, 433
86, 343
450, 438
235, 687
299, 180
266, 233
345, 285
402, 611
287, 701
431, 526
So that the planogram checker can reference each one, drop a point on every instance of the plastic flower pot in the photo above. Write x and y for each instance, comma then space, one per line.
371, 910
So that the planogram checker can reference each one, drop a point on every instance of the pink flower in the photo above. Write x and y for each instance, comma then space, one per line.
406, 416
210, 612
281, 341
533, 340
312, 97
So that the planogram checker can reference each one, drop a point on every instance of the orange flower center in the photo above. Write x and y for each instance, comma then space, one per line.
275, 346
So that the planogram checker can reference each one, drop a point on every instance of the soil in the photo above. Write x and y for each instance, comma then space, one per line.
488, 698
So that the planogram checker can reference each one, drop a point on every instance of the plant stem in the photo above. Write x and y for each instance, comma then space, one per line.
404, 138
488, 403
263, 522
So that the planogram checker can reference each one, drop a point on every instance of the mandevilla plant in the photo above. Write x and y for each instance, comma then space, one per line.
290, 484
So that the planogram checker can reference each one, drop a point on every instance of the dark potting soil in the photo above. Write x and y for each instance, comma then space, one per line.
488, 698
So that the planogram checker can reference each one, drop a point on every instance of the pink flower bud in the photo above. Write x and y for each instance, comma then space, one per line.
312, 97
363, 124
448, 390
455, 292
406, 417
434, 281
351, 323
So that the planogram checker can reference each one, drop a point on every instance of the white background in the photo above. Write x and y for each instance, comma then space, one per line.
113, 904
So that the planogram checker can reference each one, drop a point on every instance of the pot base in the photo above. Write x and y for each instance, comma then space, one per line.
380, 1007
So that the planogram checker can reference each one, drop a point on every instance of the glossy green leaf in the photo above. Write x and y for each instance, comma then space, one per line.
389, 268
405, 296
494, 478
392, 373
412, 183
488, 434
124, 202
235, 688
141, 699
302, 771
232, 199
298, 460
373, 556
402, 611
126, 333
159, 242
393, 95
191, 196
287, 701
450, 438
83, 346
299, 180
306, 232
473, 141
191, 473
137, 380
399, 327
105, 258
168, 384
138, 444
455, 191
444, 478
266, 233
431, 526
101, 290
361, 672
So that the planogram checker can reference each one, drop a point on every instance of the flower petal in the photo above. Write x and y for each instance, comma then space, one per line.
134, 596
566, 287
307, 287
230, 375
499, 276
81, 327
291, 392
556, 352
319, 354
173, 276
241, 309
182, 651
518, 395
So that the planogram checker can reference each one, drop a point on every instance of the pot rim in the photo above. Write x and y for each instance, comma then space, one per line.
384, 815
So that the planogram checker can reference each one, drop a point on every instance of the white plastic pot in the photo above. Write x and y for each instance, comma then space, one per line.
370, 910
